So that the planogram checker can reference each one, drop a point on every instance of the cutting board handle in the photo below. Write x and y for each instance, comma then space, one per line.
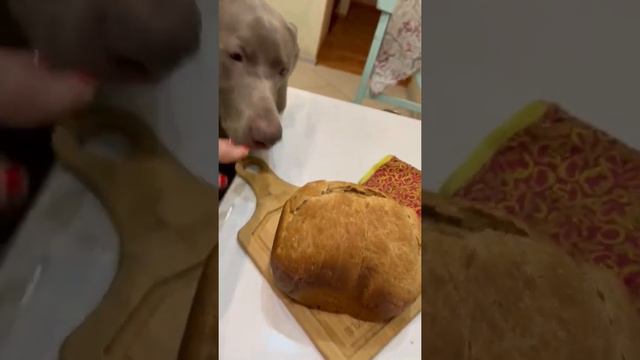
262, 180
95, 170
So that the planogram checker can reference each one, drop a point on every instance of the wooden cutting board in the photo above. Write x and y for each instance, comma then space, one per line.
165, 219
337, 337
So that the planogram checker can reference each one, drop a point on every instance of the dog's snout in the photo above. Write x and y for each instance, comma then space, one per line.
265, 133
149, 37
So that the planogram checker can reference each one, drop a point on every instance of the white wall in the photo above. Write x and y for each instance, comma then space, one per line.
309, 18
483, 60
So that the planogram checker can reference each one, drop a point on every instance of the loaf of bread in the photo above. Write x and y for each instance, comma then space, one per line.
343, 248
499, 290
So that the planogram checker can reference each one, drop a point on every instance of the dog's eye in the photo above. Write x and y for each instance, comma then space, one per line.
283, 72
236, 57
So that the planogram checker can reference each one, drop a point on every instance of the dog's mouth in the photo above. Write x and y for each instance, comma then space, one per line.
122, 70
241, 138
253, 145
131, 70
257, 145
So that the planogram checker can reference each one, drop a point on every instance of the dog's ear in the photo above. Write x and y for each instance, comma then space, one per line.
281, 101
293, 29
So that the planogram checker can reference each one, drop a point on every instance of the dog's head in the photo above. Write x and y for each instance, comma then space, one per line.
258, 51
113, 40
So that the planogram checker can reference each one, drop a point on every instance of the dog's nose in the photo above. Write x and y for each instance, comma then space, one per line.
151, 37
265, 133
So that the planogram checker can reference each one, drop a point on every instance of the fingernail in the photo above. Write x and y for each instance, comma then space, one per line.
223, 181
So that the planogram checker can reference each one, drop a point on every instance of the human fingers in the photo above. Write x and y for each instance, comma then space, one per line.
230, 152
30, 95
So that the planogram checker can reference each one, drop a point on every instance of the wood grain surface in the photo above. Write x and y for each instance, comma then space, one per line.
165, 219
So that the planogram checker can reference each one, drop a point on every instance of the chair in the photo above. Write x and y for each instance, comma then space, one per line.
386, 7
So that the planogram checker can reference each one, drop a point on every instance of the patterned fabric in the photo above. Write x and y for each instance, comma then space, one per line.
398, 180
575, 184
400, 55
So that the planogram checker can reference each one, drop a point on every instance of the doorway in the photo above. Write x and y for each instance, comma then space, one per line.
349, 38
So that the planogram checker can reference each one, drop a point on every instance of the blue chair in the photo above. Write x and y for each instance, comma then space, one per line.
386, 7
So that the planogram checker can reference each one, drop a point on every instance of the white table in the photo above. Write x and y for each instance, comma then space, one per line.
323, 139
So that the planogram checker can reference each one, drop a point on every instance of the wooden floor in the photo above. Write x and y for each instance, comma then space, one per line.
348, 41
347, 44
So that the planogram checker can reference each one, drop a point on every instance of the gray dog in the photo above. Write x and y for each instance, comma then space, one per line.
258, 51
111, 40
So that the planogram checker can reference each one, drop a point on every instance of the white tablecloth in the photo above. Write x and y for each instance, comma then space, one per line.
323, 139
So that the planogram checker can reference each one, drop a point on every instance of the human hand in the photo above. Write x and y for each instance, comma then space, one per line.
31, 95
230, 152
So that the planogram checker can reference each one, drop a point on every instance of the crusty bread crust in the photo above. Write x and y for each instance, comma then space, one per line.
344, 248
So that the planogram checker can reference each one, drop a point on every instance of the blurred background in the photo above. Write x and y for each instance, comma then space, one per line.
486, 60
